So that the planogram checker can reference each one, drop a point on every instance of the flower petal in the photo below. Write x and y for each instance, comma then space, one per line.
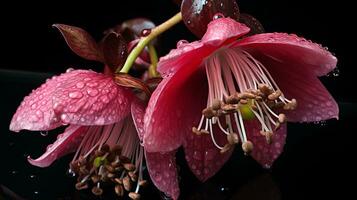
137, 113
203, 158
79, 97
219, 32
173, 109
291, 49
314, 102
263, 152
163, 172
66, 143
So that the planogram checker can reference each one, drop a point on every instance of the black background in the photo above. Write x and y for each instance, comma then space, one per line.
317, 161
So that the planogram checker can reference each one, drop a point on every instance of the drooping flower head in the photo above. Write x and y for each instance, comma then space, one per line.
100, 129
224, 90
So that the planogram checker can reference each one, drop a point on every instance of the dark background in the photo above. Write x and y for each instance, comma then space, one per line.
318, 158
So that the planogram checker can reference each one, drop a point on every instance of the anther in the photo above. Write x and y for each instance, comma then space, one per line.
216, 104
95, 179
243, 101
232, 138
110, 175
268, 136
119, 190
265, 89
127, 183
277, 126
282, 118
291, 106
247, 95
129, 166
119, 180
110, 168
209, 113
97, 191
133, 176
233, 99
226, 148
134, 195
247, 147
275, 95
229, 107
81, 185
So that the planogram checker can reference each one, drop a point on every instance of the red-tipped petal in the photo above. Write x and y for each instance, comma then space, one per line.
163, 172
137, 113
291, 49
263, 152
174, 108
219, 32
66, 142
79, 97
203, 158
314, 101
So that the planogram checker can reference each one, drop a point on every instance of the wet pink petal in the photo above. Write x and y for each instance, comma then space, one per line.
203, 158
291, 49
137, 113
314, 101
79, 97
163, 172
173, 109
263, 152
66, 142
219, 33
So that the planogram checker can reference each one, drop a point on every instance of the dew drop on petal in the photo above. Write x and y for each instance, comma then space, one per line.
181, 42
92, 92
44, 133
75, 95
80, 85
69, 70
218, 15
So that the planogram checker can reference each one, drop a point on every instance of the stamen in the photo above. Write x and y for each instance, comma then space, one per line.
239, 86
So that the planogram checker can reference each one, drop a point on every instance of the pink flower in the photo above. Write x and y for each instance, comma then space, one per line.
230, 91
100, 128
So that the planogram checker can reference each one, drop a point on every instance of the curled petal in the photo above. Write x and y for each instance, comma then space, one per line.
163, 172
137, 113
173, 109
66, 142
203, 158
291, 49
219, 32
79, 97
314, 102
263, 152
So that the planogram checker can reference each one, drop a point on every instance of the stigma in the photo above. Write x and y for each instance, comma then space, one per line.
110, 157
240, 88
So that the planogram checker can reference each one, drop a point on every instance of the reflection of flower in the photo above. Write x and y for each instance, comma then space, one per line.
101, 130
245, 89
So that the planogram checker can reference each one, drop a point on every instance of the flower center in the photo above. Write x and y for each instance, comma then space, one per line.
111, 156
241, 88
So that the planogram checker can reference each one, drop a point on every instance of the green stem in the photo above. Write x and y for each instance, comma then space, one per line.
153, 58
146, 40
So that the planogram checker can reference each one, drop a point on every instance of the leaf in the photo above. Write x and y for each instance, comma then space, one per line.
114, 49
197, 14
255, 26
126, 80
80, 42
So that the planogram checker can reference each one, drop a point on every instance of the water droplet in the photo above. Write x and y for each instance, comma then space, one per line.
70, 173
321, 123
334, 73
145, 32
181, 42
44, 133
69, 70
80, 85
32, 176
75, 95
14, 172
36, 192
217, 16
92, 92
